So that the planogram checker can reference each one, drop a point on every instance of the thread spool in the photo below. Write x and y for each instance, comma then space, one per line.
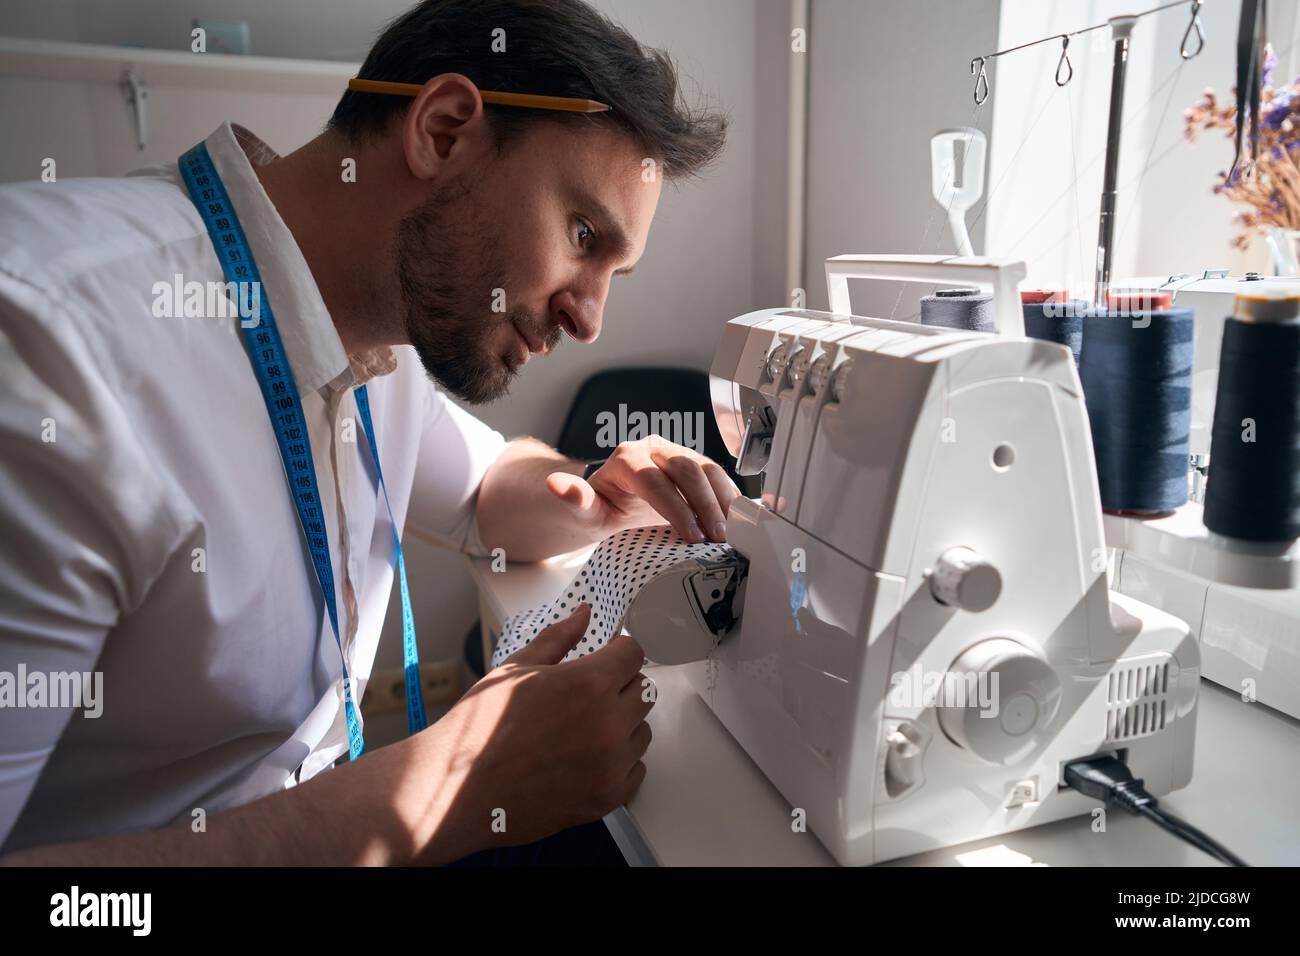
1136, 370
1253, 492
967, 309
1138, 301
1053, 316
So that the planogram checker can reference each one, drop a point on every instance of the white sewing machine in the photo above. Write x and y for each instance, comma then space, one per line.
929, 525
1249, 635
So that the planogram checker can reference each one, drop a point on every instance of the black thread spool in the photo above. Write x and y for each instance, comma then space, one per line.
969, 310
1136, 370
1253, 491
1054, 317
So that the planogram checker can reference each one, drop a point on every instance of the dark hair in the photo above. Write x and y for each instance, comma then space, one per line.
552, 47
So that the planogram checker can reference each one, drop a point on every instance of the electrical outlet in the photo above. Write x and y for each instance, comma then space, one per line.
386, 690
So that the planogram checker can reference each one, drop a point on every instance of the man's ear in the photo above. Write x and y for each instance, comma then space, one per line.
444, 127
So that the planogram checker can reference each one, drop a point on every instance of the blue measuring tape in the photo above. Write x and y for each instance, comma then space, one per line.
415, 720
275, 377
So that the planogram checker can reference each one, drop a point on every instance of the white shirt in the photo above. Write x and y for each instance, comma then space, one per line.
221, 675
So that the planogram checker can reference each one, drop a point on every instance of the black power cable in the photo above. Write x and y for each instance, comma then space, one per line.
1109, 780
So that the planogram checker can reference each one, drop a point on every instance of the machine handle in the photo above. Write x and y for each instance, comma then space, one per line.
1002, 276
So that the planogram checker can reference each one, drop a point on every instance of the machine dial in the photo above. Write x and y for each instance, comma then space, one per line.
999, 700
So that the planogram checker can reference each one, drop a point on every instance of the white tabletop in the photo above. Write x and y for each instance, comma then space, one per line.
704, 802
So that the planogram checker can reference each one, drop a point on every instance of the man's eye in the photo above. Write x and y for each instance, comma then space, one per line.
583, 232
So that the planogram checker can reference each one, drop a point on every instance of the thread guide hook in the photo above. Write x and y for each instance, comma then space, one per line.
1064, 61
1193, 24
1065, 67
981, 80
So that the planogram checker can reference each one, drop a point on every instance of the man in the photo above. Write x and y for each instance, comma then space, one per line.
148, 530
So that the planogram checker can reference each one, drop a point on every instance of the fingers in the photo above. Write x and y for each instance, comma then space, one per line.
655, 488
550, 646
690, 491
635, 777
639, 742
687, 473
635, 701
618, 661
723, 487
571, 489
641, 688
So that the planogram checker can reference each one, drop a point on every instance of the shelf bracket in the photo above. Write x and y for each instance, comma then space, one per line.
137, 97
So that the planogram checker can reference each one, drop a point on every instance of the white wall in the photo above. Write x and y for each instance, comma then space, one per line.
88, 129
1044, 136
299, 29
884, 77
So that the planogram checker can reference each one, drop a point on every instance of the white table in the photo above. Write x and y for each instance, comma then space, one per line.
704, 802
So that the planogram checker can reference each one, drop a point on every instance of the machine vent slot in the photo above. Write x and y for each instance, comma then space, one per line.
1137, 698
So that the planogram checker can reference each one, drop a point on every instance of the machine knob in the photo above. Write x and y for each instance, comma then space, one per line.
840, 380
798, 366
904, 753
777, 360
819, 373
999, 700
961, 578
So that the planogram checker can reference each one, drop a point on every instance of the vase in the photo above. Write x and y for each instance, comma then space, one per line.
1284, 246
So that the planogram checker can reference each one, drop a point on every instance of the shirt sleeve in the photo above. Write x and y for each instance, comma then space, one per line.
73, 495
456, 450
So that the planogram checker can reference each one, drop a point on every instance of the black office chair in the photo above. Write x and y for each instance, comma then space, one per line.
680, 393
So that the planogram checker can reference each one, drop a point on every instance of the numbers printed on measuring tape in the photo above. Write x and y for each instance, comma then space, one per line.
278, 391
281, 396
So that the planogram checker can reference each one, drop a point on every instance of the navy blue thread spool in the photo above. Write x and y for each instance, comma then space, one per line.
1136, 370
1253, 492
1054, 317
969, 310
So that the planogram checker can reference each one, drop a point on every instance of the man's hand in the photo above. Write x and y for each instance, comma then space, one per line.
534, 747
651, 481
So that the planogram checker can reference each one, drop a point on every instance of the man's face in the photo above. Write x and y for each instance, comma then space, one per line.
501, 265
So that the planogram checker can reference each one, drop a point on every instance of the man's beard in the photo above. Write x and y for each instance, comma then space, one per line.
451, 275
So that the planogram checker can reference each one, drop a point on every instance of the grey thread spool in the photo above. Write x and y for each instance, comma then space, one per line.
969, 310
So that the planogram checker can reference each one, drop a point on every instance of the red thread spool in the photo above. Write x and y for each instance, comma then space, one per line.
1127, 301
1039, 296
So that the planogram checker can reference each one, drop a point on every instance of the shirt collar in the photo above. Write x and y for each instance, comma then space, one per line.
311, 342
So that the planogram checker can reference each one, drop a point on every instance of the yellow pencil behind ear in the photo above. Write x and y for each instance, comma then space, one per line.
534, 101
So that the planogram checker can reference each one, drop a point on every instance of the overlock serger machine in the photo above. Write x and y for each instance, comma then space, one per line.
915, 633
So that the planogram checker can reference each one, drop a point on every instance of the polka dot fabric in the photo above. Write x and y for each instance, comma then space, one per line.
611, 579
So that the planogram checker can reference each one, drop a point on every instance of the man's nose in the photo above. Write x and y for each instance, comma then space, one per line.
580, 313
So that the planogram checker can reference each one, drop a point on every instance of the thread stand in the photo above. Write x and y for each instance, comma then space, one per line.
1181, 542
